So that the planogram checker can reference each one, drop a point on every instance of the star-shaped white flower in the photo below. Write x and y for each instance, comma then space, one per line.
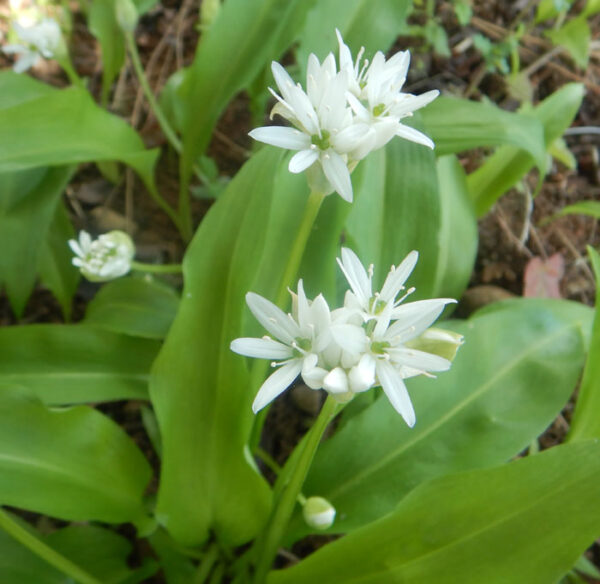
300, 337
324, 132
105, 258
38, 40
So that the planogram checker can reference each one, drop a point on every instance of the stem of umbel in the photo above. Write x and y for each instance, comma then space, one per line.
287, 489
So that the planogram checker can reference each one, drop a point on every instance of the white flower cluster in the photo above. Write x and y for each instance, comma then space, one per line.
42, 39
364, 344
343, 115
105, 258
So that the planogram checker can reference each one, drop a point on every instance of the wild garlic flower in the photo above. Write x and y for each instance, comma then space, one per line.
342, 116
318, 513
372, 340
105, 258
375, 96
43, 39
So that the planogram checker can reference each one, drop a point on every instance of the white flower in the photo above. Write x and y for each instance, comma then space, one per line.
39, 40
301, 337
377, 101
105, 258
324, 131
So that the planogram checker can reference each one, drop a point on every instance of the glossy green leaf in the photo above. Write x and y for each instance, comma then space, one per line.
200, 390
514, 373
138, 306
586, 419
407, 205
509, 164
497, 525
87, 133
65, 364
590, 208
575, 36
74, 464
100, 552
28, 202
244, 38
55, 266
373, 24
456, 125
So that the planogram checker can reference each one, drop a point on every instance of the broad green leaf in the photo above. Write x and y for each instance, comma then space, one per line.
407, 205
200, 390
509, 164
586, 419
373, 24
591, 7
590, 208
551, 9
137, 306
87, 133
100, 552
497, 525
514, 373
456, 125
575, 36
65, 364
244, 38
74, 464
55, 266
28, 202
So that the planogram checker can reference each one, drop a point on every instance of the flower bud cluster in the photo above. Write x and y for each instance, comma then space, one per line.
343, 115
372, 340
105, 258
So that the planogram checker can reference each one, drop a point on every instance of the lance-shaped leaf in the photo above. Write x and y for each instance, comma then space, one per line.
412, 202
77, 363
100, 552
514, 373
586, 420
498, 525
456, 125
509, 164
28, 204
33, 118
74, 464
200, 390
134, 306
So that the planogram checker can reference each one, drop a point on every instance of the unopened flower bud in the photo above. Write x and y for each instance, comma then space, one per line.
438, 342
318, 513
127, 15
105, 258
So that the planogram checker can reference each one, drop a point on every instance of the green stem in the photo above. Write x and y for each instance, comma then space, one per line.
141, 75
45, 552
157, 268
269, 541
311, 210
206, 565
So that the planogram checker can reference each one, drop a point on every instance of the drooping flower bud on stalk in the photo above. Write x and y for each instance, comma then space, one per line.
127, 15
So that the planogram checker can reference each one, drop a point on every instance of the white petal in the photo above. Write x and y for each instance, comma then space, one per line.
26, 61
302, 160
261, 348
413, 135
312, 374
336, 381
302, 308
396, 391
14, 49
337, 174
356, 275
397, 276
276, 383
282, 78
277, 322
349, 337
282, 137
362, 376
351, 137
75, 248
412, 103
418, 359
414, 317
